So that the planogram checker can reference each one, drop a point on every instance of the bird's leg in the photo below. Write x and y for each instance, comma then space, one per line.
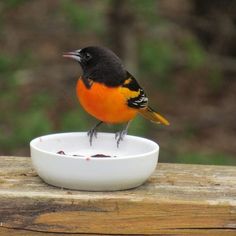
121, 134
93, 132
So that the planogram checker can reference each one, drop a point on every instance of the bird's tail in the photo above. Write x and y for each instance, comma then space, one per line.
151, 115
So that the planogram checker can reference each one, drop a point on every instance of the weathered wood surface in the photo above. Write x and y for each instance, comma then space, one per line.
177, 200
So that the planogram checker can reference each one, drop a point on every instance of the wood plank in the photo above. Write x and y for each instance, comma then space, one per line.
205, 232
178, 199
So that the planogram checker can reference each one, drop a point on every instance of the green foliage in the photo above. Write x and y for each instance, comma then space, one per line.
6, 141
17, 126
138, 126
24, 127
156, 57
5, 63
43, 100
31, 124
215, 79
195, 53
75, 120
9, 4
82, 19
202, 158
23, 118
146, 10
190, 130
9, 66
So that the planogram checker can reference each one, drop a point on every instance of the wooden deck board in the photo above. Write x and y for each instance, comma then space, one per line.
177, 200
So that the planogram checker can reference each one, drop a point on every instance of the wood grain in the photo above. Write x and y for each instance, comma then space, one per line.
177, 200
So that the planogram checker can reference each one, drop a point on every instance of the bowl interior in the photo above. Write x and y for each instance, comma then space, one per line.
77, 145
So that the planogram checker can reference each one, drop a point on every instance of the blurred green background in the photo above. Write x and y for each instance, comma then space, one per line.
183, 53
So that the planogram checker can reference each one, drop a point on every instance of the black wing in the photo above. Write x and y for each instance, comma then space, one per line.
140, 99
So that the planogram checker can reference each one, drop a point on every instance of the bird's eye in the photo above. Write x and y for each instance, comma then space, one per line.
87, 56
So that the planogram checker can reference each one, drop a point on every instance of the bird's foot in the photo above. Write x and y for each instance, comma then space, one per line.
92, 133
120, 136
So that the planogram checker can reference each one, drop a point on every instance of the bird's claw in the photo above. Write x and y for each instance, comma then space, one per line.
92, 133
120, 136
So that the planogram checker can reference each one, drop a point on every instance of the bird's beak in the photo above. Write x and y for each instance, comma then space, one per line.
74, 55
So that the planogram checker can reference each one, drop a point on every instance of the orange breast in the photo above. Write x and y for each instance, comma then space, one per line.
104, 103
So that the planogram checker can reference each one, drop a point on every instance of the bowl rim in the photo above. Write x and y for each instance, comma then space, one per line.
35, 140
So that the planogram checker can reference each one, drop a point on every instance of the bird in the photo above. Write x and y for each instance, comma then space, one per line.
108, 92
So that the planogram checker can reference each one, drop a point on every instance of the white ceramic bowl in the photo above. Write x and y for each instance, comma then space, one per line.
129, 166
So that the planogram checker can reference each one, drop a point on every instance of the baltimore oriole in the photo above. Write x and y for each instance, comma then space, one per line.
107, 91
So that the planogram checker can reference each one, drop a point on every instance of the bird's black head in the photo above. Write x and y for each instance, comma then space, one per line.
100, 64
